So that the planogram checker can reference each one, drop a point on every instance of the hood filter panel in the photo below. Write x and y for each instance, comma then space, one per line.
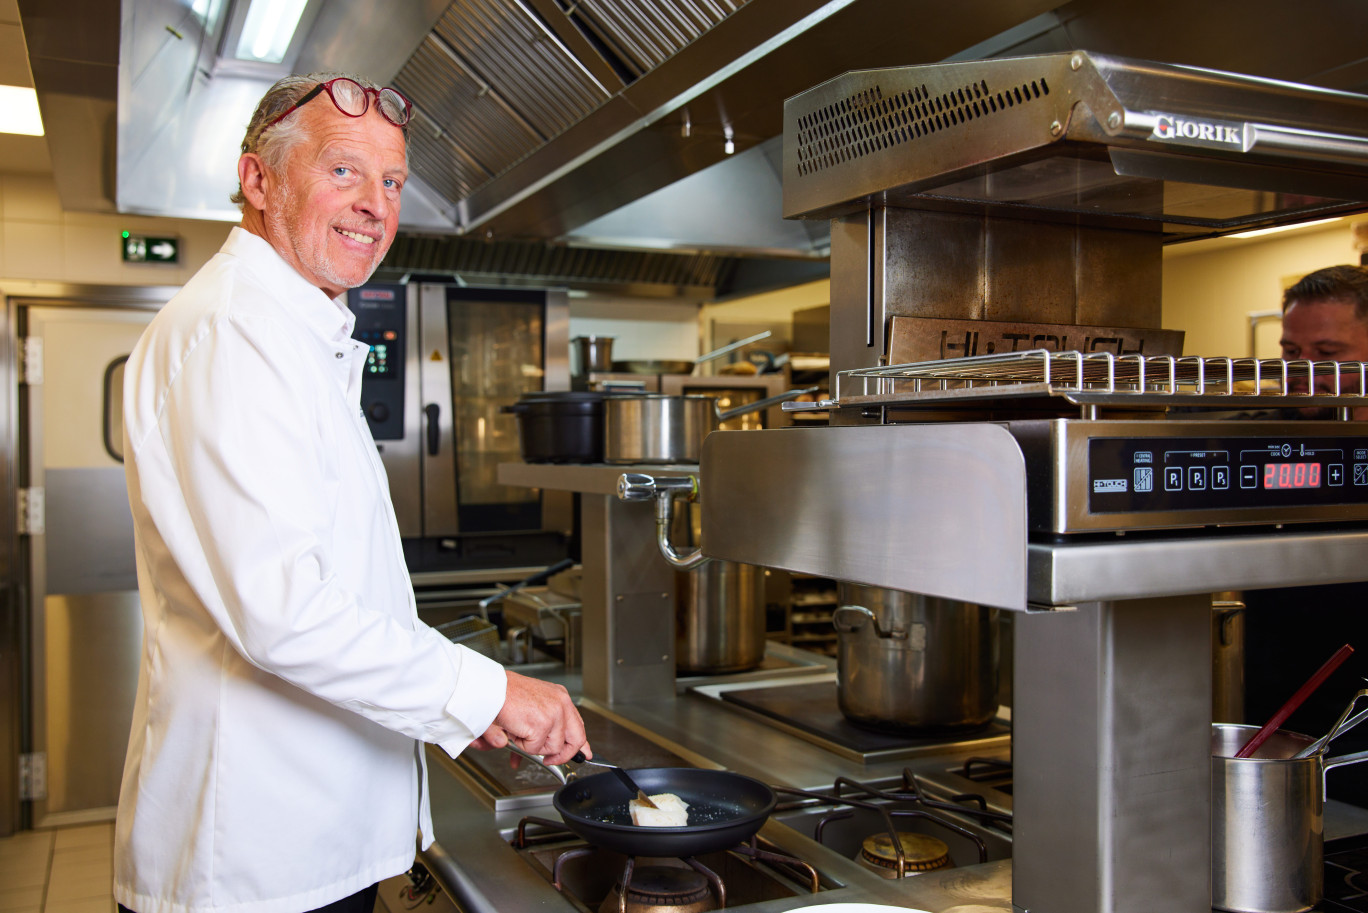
867, 122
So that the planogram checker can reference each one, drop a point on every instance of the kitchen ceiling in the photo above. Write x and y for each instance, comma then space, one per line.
596, 124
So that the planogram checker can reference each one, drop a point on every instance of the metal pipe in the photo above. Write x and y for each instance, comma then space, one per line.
635, 486
685, 561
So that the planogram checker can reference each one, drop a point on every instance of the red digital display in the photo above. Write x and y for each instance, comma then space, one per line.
1292, 475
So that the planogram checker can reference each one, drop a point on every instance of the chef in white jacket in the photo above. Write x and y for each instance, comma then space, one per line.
275, 763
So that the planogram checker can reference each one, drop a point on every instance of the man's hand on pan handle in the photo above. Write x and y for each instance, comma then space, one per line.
539, 718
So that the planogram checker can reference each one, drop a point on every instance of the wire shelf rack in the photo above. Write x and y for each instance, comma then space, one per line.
1103, 378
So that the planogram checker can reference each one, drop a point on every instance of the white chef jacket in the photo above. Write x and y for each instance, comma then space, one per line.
273, 765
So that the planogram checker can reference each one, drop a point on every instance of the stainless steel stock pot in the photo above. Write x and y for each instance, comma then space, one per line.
660, 428
915, 663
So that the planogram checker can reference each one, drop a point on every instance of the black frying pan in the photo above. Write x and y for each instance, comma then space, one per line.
725, 809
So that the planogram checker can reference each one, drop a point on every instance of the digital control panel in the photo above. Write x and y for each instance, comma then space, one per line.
1168, 474
381, 317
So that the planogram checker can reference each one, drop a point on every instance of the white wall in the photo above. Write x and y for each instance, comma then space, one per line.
38, 241
768, 311
1211, 287
642, 328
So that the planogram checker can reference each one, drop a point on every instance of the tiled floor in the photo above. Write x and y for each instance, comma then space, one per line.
67, 870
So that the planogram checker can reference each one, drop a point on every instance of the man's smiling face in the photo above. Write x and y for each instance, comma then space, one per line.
333, 211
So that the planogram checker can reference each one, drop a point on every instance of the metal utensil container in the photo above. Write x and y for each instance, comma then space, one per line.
908, 662
1267, 822
594, 354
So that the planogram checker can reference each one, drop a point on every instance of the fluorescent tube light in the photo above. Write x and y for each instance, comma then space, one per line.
1277, 228
268, 29
19, 111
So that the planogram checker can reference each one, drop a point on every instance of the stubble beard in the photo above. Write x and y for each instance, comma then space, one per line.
280, 224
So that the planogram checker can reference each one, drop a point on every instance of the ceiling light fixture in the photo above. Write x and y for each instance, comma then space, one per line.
268, 29
1277, 228
19, 111
728, 144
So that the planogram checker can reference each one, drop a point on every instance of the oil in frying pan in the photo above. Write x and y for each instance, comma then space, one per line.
702, 813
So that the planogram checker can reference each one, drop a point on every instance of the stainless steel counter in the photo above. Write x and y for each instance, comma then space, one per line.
475, 862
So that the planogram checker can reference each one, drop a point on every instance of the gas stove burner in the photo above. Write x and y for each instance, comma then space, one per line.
921, 853
662, 889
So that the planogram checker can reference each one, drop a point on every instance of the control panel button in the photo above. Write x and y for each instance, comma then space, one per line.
1173, 478
1144, 478
1220, 477
1334, 473
378, 412
1197, 478
1361, 473
1249, 476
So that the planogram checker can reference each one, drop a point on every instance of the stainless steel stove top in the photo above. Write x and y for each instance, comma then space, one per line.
807, 708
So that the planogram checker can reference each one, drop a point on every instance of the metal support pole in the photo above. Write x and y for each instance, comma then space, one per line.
1111, 748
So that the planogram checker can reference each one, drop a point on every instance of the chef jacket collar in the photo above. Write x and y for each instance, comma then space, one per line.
330, 319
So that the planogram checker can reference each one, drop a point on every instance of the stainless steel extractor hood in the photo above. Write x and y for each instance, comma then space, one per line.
541, 117
1076, 136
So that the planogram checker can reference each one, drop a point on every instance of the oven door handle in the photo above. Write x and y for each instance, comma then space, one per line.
434, 428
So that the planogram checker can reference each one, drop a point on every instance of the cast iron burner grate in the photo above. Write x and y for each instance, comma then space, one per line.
719, 870
904, 801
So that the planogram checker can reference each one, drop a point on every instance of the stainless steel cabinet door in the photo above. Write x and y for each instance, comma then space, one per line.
85, 618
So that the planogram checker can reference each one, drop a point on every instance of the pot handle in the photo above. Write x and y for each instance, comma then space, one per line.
1343, 759
847, 628
762, 403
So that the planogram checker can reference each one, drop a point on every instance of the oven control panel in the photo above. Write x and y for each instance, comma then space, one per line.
1181, 473
1107, 475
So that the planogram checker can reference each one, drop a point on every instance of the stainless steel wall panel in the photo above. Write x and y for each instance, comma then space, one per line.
857, 317
1029, 270
92, 645
89, 537
935, 265
1119, 278
933, 509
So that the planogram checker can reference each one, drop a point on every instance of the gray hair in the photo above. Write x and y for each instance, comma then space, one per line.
275, 146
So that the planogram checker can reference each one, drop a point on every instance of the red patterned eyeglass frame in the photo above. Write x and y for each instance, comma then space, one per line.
367, 92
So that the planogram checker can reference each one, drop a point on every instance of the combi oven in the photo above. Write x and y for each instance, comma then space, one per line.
445, 359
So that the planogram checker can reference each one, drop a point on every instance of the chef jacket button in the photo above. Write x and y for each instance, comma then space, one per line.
338, 354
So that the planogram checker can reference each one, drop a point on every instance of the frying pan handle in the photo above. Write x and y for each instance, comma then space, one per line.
731, 347
764, 403
537, 759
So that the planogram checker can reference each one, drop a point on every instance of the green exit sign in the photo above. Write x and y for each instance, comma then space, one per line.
142, 249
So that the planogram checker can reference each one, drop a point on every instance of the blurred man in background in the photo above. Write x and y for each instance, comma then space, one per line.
1289, 633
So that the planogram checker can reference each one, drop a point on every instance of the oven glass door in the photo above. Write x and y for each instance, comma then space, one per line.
497, 354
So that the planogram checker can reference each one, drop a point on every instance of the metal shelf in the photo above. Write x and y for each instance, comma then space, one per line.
1102, 378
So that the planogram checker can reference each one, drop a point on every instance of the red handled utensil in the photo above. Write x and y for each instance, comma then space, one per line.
1295, 701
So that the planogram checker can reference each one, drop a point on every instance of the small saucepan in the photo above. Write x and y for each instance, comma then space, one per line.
659, 428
